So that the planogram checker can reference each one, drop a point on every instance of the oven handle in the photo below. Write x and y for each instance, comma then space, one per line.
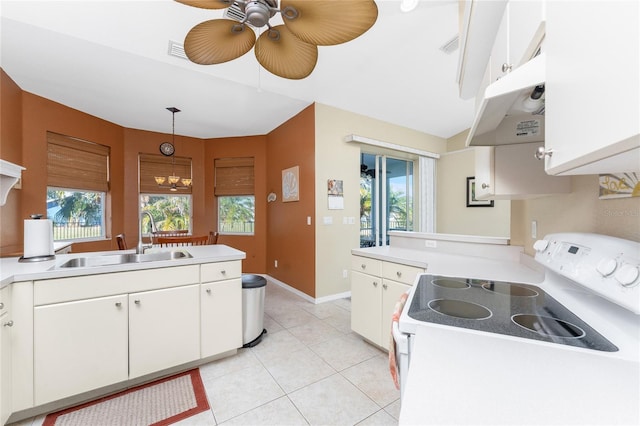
401, 340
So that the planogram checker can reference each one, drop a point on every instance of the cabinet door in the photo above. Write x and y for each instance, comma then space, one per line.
391, 292
79, 346
366, 301
592, 89
164, 329
6, 325
484, 172
526, 29
221, 317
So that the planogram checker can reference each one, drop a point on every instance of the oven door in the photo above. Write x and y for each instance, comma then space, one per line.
402, 353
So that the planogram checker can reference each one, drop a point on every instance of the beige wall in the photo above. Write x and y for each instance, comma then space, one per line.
452, 214
579, 211
336, 159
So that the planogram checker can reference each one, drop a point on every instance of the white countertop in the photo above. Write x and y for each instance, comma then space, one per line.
13, 271
493, 379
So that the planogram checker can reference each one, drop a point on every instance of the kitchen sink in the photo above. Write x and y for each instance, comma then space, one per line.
120, 259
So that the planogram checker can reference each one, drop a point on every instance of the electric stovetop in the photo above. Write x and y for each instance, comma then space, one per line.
513, 309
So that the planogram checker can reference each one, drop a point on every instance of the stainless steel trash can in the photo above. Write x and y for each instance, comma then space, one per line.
253, 289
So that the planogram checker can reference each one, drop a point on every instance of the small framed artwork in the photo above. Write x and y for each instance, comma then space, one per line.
471, 195
290, 184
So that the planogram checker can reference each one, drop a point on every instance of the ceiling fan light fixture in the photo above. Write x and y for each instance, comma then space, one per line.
258, 12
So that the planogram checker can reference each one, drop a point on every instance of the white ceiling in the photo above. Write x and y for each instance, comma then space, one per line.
110, 59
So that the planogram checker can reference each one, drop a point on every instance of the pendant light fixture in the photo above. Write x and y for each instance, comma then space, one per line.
174, 183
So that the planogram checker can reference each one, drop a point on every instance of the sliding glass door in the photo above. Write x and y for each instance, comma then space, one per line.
386, 198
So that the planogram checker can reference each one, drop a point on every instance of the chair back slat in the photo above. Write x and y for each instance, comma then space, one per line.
182, 241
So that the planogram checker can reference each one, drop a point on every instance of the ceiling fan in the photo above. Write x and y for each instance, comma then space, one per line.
289, 50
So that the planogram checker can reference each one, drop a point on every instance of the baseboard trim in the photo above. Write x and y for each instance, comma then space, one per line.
305, 296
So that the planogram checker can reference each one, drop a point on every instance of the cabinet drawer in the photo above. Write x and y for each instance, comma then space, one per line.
4, 300
366, 265
401, 273
220, 271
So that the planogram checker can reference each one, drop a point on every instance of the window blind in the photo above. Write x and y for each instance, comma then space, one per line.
234, 176
76, 164
151, 165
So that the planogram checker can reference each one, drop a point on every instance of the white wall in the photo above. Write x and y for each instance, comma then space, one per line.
452, 214
336, 159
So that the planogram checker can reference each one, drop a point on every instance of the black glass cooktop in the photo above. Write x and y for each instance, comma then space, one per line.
514, 309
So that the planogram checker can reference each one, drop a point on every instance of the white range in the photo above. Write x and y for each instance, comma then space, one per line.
490, 344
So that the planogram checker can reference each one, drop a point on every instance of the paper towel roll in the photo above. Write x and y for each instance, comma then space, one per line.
38, 238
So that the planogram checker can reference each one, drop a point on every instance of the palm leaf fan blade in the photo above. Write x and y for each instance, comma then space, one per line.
328, 22
285, 55
218, 41
207, 4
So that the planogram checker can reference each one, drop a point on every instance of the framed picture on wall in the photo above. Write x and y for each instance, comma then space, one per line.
290, 186
471, 195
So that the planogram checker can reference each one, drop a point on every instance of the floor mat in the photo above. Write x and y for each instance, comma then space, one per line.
161, 402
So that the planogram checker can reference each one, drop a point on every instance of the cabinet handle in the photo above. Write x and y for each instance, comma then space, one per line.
223, 272
384, 286
399, 274
375, 284
363, 266
8, 323
118, 304
507, 67
485, 185
208, 291
137, 302
541, 153
1, 305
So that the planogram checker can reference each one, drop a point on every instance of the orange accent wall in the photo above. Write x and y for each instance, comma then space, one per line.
11, 227
280, 227
290, 240
254, 246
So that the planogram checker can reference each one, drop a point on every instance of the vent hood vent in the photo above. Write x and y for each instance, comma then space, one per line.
512, 110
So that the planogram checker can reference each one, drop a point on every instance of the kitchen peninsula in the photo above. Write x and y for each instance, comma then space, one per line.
77, 331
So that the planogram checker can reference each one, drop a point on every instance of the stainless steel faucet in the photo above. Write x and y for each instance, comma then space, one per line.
140, 248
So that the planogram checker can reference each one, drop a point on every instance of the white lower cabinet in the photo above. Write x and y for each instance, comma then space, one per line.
220, 303
164, 329
6, 324
79, 346
376, 287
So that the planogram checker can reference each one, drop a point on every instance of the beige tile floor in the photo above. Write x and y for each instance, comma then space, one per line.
309, 369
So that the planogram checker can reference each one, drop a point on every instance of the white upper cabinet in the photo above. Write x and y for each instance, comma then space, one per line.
593, 87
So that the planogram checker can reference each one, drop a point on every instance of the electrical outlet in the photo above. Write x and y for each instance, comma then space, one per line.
345, 273
534, 229
430, 243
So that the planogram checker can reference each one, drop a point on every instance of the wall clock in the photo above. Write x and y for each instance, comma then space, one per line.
167, 148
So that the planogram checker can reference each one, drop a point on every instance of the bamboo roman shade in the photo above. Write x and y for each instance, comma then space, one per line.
152, 165
76, 164
234, 176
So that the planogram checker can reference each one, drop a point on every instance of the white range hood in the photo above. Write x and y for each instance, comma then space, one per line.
508, 114
9, 175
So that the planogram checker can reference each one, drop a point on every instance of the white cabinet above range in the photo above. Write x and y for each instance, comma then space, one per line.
593, 87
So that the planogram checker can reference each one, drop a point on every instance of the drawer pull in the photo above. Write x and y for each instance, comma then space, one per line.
399, 274
223, 272
8, 323
118, 304
375, 284
1, 305
137, 302
384, 286
208, 291
363, 266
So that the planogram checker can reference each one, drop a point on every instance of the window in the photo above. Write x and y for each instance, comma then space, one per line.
234, 191
77, 185
169, 210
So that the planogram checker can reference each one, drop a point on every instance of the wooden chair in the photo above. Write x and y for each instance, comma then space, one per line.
122, 243
213, 237
182, 241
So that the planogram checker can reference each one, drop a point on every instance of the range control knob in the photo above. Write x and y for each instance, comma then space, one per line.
627, 275
540, 245
606, 266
